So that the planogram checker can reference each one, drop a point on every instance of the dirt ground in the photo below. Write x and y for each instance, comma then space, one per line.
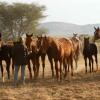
79, 87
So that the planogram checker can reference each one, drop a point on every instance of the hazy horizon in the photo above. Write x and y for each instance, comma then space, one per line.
69, 23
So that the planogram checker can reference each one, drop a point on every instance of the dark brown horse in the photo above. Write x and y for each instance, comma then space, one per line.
58, 50
90, 50
5, 54
96, 33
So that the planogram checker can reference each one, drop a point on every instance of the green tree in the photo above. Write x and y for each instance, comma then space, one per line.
19, 18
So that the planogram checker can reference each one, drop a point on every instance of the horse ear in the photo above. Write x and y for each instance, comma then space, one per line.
45, 36
31, 35
26, 35
39, 36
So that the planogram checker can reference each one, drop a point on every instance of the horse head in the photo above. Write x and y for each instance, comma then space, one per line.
28, 40
42, 43
86, 41
96, 33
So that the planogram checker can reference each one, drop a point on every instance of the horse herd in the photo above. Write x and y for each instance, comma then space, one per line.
61, 53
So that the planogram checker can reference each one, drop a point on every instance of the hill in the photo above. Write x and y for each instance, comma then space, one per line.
67, 29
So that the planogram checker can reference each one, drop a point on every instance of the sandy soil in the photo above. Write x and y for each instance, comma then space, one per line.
79, 87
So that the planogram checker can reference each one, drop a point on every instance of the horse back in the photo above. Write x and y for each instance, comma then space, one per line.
67, 45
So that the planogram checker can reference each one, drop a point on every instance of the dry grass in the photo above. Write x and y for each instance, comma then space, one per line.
79, 87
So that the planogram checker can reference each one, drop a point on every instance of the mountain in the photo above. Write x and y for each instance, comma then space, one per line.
67, 29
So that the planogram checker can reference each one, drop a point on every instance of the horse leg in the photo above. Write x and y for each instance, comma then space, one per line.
8, 67
56, 68
85, 58
37, 66
2, 71
68, 64
71, 62
75, 59
29, 68
68, 67
43, 63
34, 67
90, 64
96, 60
60, 70
65, 68
51, 63
12, 66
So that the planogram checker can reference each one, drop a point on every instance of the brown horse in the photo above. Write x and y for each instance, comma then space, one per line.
77, 47
31, 44
96, 33
58, 50
68, 54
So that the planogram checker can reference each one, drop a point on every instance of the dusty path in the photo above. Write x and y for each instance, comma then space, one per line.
79, 87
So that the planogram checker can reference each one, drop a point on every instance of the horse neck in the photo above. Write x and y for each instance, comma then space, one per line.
50, 45
57, 45
86, 44
28, 41
52, 42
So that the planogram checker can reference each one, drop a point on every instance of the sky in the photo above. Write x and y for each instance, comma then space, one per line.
79, 12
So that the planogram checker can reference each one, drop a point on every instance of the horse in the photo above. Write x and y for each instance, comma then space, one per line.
90, 50
10, 45
77, 47
57, 50
31, 44
68, 54
5, 54
96, 34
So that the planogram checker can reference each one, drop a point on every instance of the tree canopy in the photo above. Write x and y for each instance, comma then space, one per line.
20, 18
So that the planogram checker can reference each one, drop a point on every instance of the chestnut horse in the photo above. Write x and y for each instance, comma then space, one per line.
31, 44
90, 50
58, 50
